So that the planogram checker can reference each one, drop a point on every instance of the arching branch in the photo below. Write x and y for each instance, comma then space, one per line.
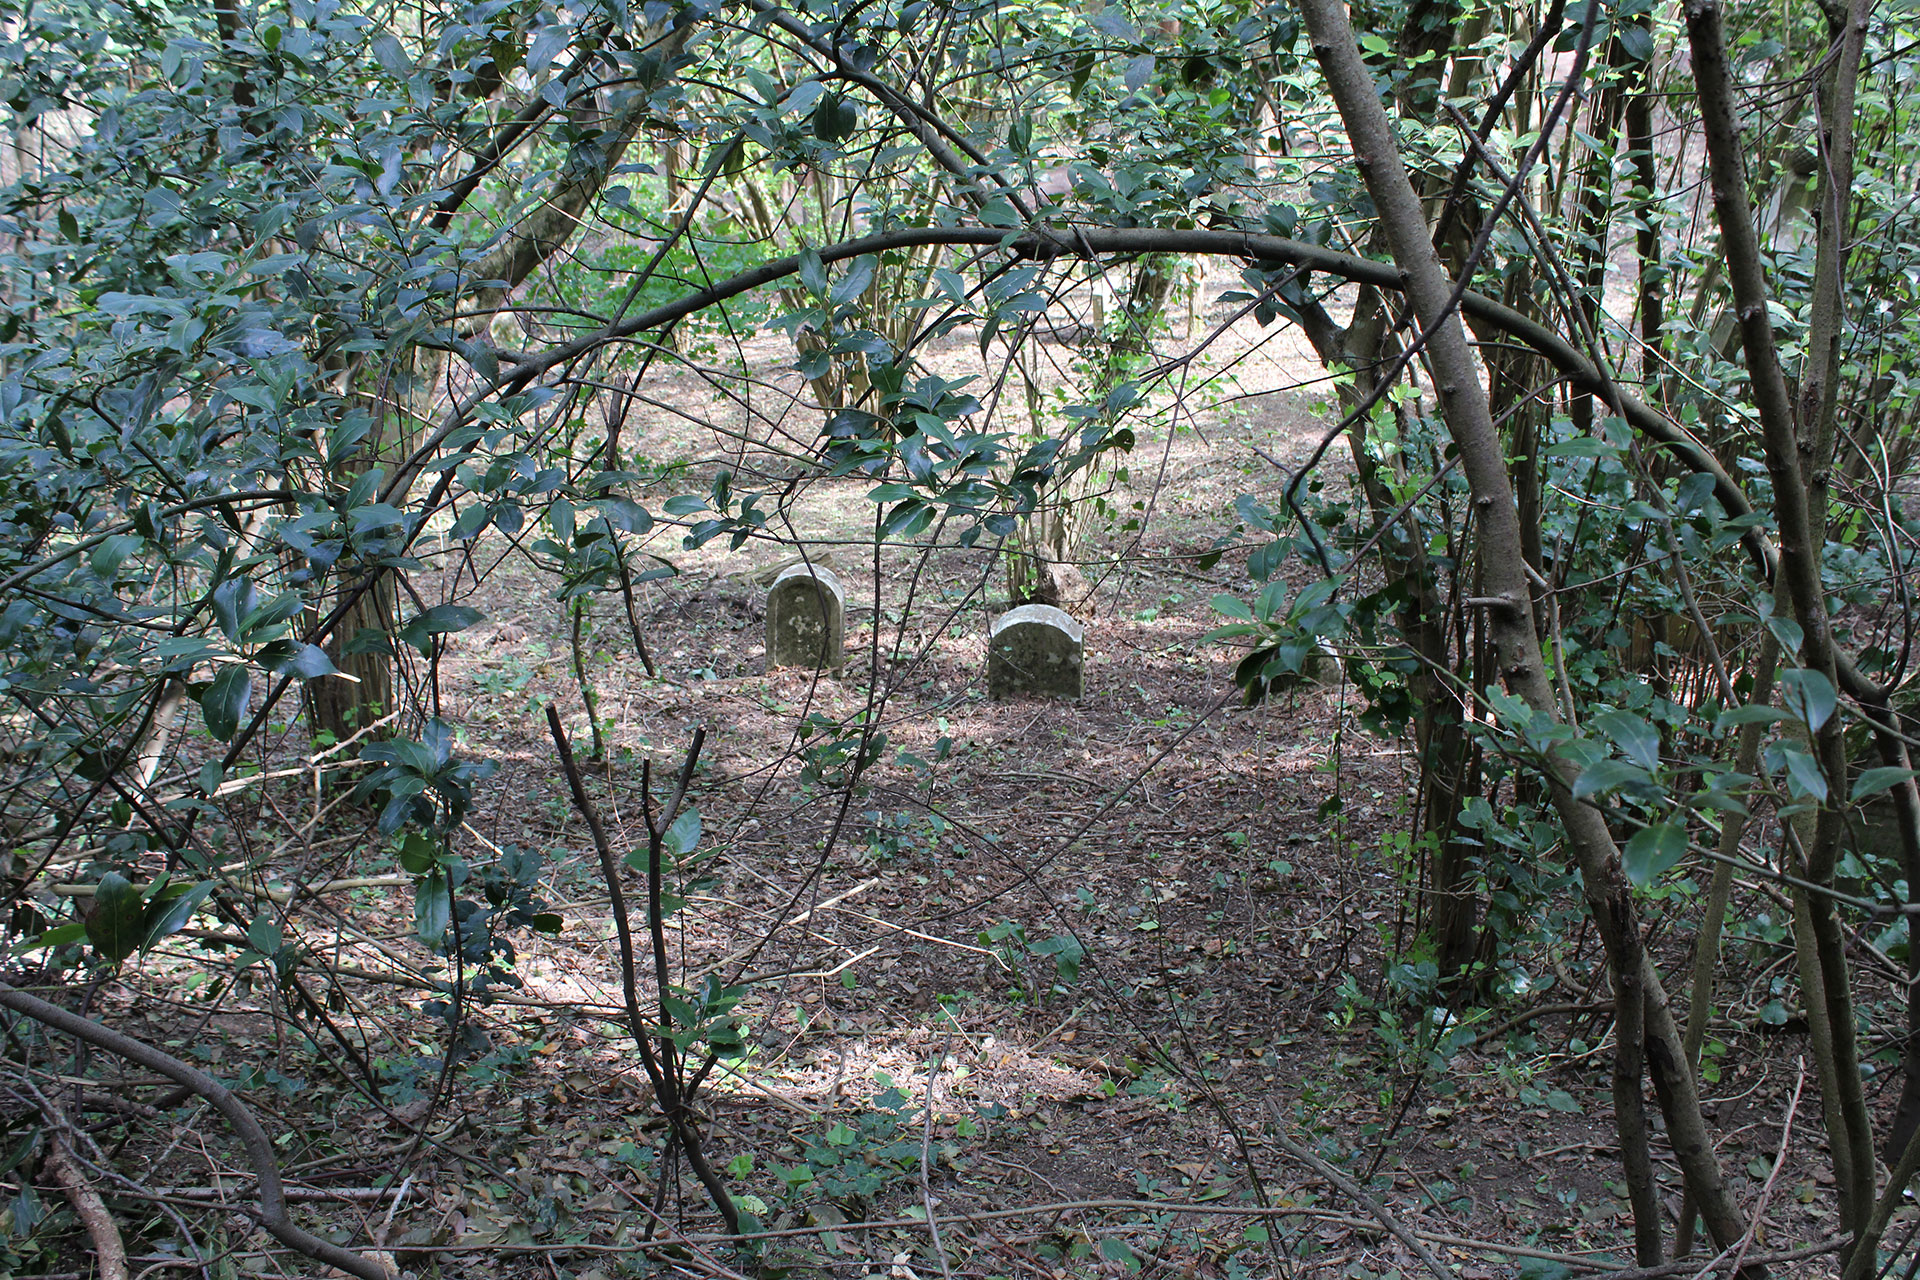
1054, 242
253, 1138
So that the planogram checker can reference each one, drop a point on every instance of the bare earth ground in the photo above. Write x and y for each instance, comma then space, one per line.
1234, 922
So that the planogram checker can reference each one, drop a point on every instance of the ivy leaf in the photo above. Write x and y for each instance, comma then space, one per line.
1652, 852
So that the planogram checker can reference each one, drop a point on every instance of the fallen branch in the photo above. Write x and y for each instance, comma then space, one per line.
1355, 1192
108, 1248
259, 1147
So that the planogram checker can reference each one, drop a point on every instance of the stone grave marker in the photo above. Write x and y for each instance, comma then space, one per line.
1035, 651
806, 619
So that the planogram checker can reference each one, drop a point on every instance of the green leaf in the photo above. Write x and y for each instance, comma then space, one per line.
418, 853
310, 662
169, 916
230, 600
834, 118
1118, 1251
1637, 740
1803, 774
224, 701
627, 515
683, 837
60, 935
1872, 782
1749, 714
1603, 777
432, 908
907, 520
443, 618
813, 272
1787, 632
391, 55
1232, 606
1583, 447
1809, 695
264, 935
439, 620
1653, 851
115, 921
1635, 42
855, 282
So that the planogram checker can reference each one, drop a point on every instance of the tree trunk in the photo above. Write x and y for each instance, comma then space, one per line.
1469, 419
361, 647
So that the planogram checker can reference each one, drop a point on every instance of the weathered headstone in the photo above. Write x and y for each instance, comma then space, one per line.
1035, 651
1322, 666
806, 619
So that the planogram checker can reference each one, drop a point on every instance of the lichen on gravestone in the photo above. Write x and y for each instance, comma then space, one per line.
1036, 651
806, 619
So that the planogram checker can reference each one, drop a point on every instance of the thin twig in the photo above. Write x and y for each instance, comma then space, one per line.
1773, 1175
1353, 1189
934, 1064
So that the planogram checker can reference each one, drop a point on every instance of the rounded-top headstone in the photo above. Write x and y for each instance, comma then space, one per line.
806, 619
1035, 651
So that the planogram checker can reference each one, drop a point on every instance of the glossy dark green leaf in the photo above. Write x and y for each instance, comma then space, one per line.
1637, 740
116, 922
1653, 851
432, 908
168, 915
224, 701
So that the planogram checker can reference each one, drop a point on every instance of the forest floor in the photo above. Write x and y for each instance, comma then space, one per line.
1231, 878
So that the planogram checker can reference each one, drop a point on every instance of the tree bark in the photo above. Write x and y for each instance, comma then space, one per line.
1822, 949
1469, 419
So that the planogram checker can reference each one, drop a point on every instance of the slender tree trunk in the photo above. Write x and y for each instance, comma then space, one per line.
1469, 419
1799, 504
361, 646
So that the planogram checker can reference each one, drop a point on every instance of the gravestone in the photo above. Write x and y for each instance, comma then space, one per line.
806, 619
1035, 651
